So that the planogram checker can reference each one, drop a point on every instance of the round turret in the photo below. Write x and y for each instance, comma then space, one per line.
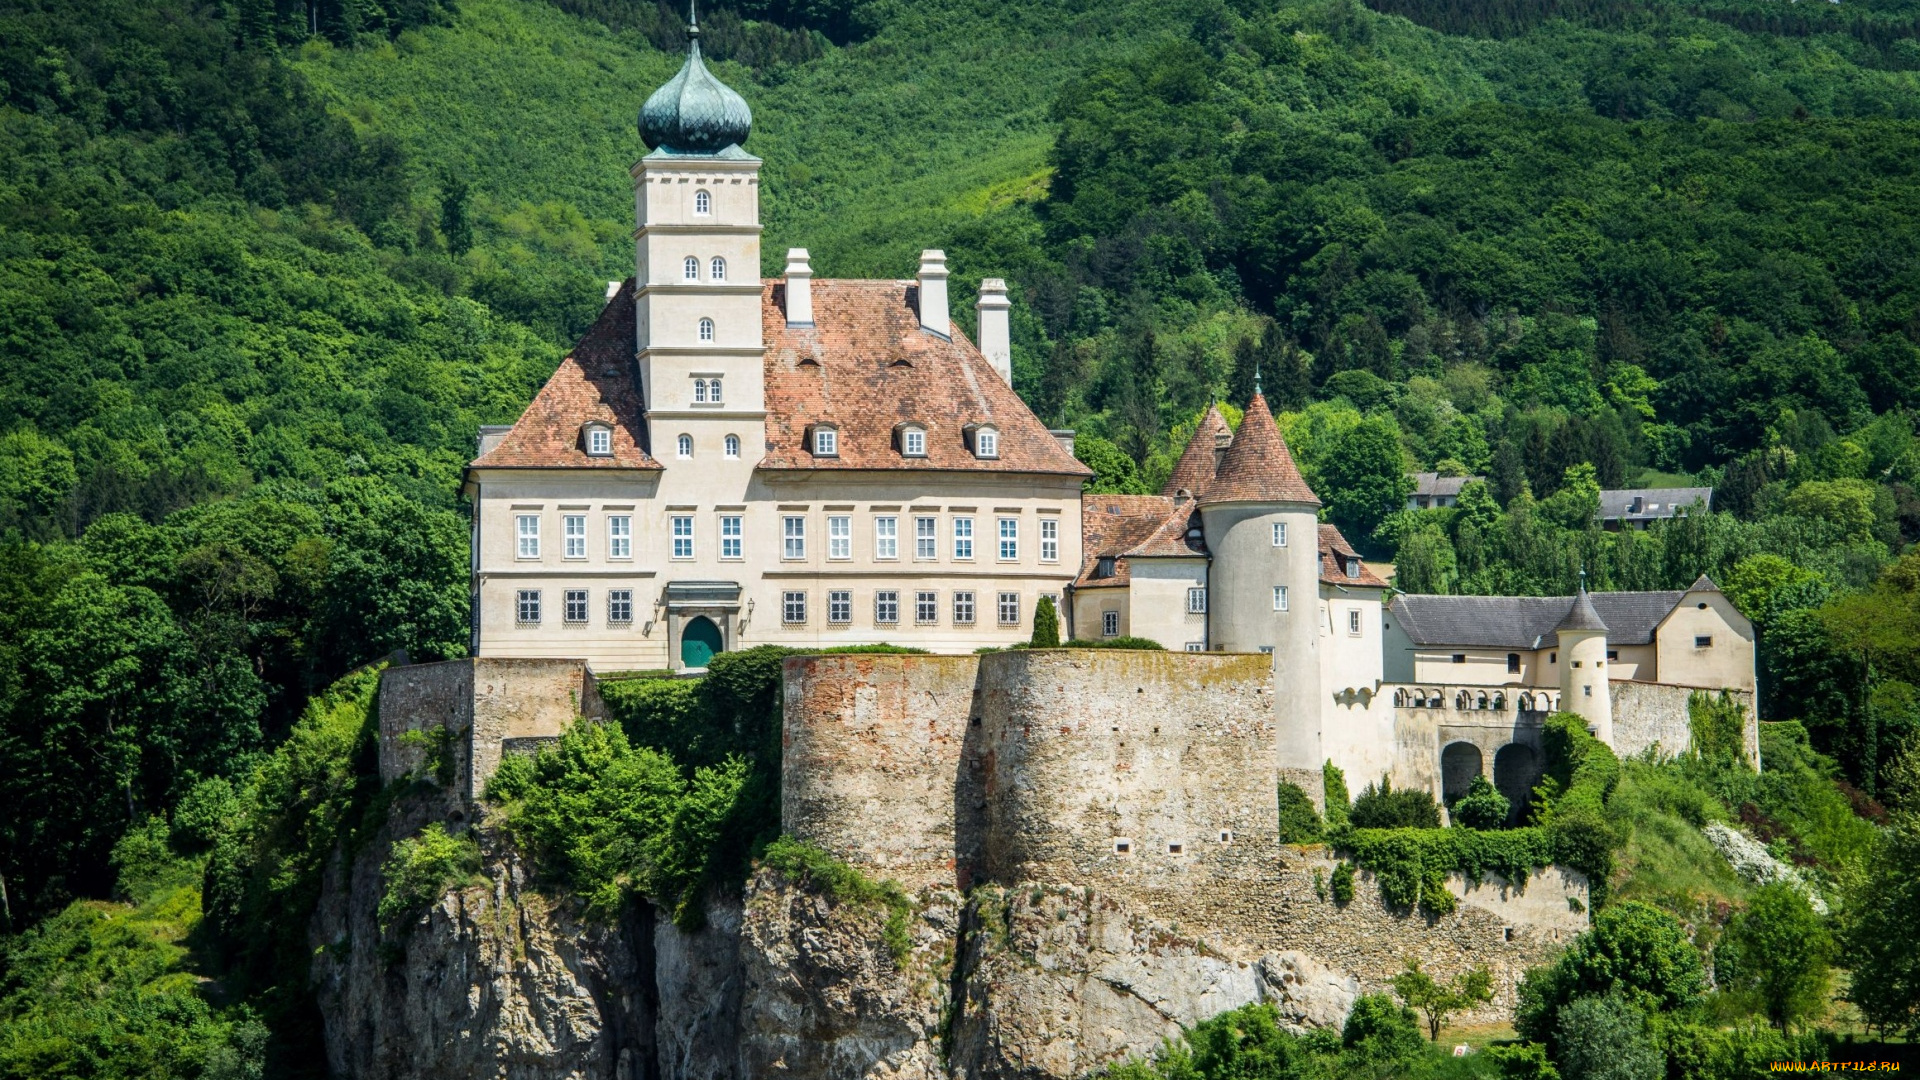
1583, 667
694, 113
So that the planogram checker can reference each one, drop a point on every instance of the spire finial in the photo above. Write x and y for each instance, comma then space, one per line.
693, 19
1256, 377
1583, 577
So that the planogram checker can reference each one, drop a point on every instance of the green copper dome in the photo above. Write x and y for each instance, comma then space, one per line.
694, 113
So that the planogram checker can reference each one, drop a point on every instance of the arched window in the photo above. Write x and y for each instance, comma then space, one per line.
733, 446
691, 269
717, 269
713, 390
685, 446
702, 202
706, 329
700, 391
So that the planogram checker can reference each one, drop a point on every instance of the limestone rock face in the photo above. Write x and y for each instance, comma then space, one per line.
1308, 993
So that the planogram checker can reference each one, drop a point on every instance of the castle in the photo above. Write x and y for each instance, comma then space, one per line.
724, 461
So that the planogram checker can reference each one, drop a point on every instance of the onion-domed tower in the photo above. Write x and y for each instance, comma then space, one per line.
697, 279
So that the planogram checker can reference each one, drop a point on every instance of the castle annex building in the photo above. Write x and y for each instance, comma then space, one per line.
724, 461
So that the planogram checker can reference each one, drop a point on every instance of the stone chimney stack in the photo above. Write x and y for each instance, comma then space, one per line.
799, 288
996, 333
933, 292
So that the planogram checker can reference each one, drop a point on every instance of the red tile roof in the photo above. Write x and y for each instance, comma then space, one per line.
866, 367
1123, 527
1335, 552
1258, 466
594, 382
1194, 471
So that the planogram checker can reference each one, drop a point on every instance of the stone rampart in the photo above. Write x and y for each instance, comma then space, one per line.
1654, 716
873, 749
486, 707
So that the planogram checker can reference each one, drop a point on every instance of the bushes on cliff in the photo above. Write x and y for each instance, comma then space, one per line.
1571, 800
420, 869
1381, 807
1380, 1039
1299, 821
1412, 864
806, 864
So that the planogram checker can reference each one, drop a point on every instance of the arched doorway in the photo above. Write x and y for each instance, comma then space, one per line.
699, 641
1516, 768
1459, 764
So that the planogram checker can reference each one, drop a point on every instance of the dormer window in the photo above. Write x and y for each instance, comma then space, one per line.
1103, 567
1353, 568
986, 441
717, 269
826, 442
706, 329
913, 441
702, 203
690, 269
599, 440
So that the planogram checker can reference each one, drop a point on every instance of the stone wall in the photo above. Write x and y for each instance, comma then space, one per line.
872, 759
487, 705
1648, 715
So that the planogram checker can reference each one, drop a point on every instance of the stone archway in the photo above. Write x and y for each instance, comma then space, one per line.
1516, 768
699, 640
1459, 763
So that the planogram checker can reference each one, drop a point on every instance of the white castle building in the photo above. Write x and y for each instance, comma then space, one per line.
724, 461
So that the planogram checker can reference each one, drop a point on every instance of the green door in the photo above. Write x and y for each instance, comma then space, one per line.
699, 641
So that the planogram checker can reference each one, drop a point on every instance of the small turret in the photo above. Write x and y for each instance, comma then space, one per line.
1583, 666
1194, 471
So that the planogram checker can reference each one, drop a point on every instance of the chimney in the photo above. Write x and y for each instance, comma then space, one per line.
996, 337
799, 288
933, 292
613, 290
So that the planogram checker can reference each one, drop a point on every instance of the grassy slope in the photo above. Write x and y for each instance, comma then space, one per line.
873, 151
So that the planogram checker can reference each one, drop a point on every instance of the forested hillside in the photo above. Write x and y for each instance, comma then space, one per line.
265, 266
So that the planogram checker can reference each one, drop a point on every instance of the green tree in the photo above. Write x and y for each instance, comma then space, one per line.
1114, 472
1776, 954
1299, 822
1604, 1037
1363, 476
1381, 807
1334, 781
1437, 1000
1482, 807
1634, 950
1046, 625
1878, 931
456, 223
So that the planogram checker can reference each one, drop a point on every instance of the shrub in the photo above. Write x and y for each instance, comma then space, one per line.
1634, 949
420, 870
805, 864
1482, 807
1334, 782
1299, 821
1605, 1038
1342, 884
1571, 801
1522, 1061
1115, 643
1046, 625
1412, 864
1881, 925
1439, 1000
1380, 1031
1776, 955
1718, 726
1382, 807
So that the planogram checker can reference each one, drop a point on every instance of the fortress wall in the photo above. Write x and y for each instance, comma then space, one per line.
491, 706
1085, 750
872, 759
1646, 715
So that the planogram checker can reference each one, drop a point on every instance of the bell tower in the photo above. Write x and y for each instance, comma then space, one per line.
697, 267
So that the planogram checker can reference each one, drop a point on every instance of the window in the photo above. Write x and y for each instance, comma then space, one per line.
913, 442
793, 537
1613, 654
793, 607
886, 607
1553, 658
683, 537
1703, 641
573, 536
1513, 663
619, 606
1279, 598
702, 202
1279, 534
733, 446
1353, 621
1267, 649
526, 608
730, 533
1009, 539
963, 538
1110, 624
1196, 601
1049, 539
1353, 565
684, 446
826, 442
886, 538
926, 608
1196, 646
1459, 658
600, 442
690, 269
839, 538
717, 269
706, 329
963, 608
839, 606
620, 537
986, 443
700, 391
713, 391
926, 540
576, 606
1587, 690
1009, 609
527, 528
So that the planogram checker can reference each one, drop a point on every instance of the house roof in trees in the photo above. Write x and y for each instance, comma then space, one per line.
1527, 622
1651, 504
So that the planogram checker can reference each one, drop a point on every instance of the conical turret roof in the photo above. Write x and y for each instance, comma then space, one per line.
694, 113
1581, 616
1194, 471
1258, 466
